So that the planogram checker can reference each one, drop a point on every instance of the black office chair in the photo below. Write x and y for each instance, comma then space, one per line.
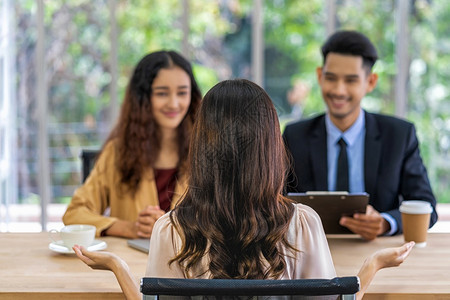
88, 158
221, 289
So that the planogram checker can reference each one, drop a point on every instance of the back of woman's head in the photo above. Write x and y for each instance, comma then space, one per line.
237, 166
237, 143
137, 131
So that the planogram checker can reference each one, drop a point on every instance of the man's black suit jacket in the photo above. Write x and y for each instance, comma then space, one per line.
393, 168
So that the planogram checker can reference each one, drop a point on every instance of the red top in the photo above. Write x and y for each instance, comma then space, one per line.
165, 184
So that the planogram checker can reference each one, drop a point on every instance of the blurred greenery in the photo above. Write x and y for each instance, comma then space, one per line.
78, 65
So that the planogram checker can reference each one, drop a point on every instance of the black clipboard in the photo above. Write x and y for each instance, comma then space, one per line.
331, 206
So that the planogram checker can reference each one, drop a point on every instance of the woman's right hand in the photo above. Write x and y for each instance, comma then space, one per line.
108, 261
98, 260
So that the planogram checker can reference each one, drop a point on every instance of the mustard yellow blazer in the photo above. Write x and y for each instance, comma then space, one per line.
103, 190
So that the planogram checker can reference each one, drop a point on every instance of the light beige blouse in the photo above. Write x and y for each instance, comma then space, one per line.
305, 233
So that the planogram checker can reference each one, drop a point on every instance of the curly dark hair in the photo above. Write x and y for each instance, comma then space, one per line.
136, 130
233, 210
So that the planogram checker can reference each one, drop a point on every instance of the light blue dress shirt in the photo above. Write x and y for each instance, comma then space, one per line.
354, 137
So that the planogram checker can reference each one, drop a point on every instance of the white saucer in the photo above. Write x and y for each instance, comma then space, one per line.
60, 248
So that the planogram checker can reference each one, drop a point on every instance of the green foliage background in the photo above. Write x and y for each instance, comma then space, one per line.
78, 55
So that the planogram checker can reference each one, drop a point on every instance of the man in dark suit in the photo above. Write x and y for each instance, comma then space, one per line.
380, 153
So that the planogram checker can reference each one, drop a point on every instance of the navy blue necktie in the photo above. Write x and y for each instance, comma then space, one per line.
342, 168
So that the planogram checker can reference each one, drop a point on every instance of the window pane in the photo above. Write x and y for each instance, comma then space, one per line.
26, 210
429, 94
2, 77
294, 31
77, 66
77, 47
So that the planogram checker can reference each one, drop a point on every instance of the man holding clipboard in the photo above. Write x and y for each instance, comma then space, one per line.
349, 149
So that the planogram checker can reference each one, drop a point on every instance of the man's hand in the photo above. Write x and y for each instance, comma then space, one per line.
368, 225
146, 219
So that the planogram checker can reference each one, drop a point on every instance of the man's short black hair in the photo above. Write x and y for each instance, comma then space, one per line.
351, 43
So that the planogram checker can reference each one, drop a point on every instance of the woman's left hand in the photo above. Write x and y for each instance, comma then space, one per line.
384, 258
392, 257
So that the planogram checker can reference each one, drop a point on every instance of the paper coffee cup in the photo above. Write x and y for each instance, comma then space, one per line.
77, 234
416, 220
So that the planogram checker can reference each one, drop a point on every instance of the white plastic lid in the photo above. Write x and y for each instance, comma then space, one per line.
415, 207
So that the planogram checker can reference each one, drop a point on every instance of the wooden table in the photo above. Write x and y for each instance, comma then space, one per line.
29, 270
424, 275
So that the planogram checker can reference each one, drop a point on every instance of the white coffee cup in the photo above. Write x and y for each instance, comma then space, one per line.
77, 234
416, 220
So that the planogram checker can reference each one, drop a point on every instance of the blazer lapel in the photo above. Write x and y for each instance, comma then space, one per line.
372, 153
319, 159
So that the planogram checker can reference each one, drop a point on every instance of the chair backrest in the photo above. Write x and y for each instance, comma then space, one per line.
88, 158
171, 288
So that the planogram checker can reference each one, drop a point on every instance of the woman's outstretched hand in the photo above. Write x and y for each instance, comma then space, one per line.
98, 260
385, 258
109, 261
392, 257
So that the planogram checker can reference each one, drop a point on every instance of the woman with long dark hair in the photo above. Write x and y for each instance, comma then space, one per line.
140, 173
233, 221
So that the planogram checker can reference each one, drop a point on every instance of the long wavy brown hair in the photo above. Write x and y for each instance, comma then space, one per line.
137, 132
233, 210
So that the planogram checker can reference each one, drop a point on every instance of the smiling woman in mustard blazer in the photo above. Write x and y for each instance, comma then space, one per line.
139, 174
